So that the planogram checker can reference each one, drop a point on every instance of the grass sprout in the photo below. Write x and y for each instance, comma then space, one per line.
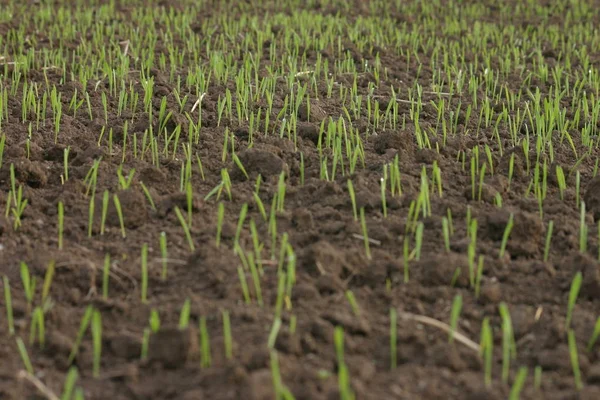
574, 360
8, 305
573, 294
24, 356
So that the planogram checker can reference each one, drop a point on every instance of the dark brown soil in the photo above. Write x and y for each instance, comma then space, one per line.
330, 254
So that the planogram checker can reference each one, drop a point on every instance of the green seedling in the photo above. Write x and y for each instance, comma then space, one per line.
69, 386
486, 347
48, 278
154, 321
473, 178
454, 315
225, 184
281, 391
437, 178
562, 185
573, 294
220, 218
515, 391
61, 224
105, 276
238, 163
37, 325
16, 204
205, 357
548, 240
96, 327
508, 341
418, 241
91, 210
280, 294
353, 303
66, 163
189, 196
290, 276
244, 285
363, 224
574, 360
577, 187
105, 200
24, 356
184, 315
240, 224
383, 200
537, 378
260, 205
148, 196
352, 199
283, 247
145, 343
186, 228
91, 178
479, 275
472, 232
29, 284
498, 200
256, 243
78, 394
255, 278
144, 263
393, 339
119, 214
506, 235
227, 336
281, 188
200, 167
481, 179
8, 305
162, 239
257, 184
595, 335
85, 322
344, 388
274, 333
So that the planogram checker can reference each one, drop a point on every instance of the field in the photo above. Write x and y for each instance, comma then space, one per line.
317, 199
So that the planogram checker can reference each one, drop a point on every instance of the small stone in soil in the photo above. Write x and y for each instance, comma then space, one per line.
491, 292
126, 345
308, 131
170, 347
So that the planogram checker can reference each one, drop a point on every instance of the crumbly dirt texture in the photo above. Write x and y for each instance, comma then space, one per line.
317, 216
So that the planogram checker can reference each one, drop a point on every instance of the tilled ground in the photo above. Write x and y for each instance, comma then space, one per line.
327, 241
